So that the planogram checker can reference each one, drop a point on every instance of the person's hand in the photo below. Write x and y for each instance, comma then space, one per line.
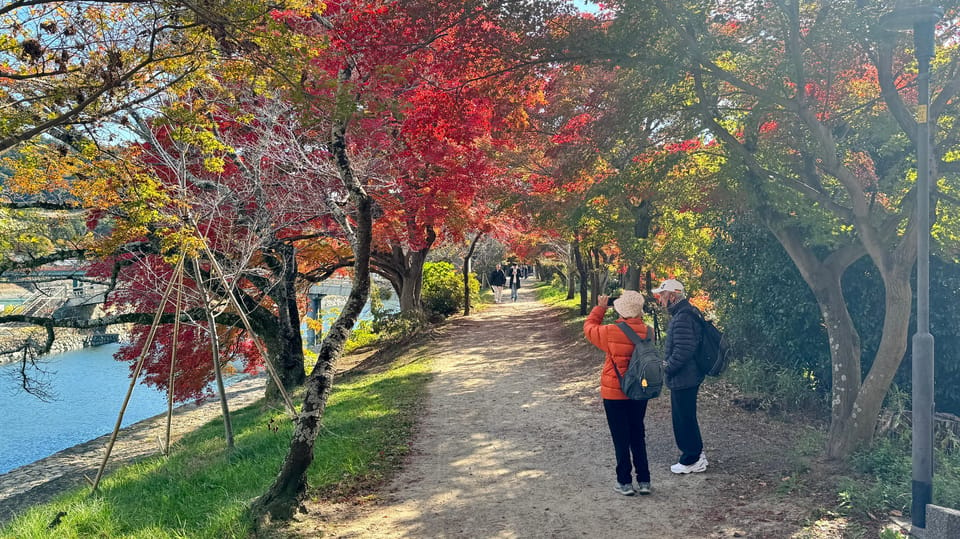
603, 301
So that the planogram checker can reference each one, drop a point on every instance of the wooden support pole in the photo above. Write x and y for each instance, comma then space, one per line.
133, 378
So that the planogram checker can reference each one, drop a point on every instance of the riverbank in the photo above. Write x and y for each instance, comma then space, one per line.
12, 337
42, 480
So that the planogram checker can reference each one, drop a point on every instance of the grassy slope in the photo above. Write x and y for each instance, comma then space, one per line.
201, 490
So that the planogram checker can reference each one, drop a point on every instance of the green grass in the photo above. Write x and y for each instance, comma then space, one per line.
203, 491
884, 482
570, 308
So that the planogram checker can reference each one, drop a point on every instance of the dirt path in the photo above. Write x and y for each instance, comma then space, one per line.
513, 443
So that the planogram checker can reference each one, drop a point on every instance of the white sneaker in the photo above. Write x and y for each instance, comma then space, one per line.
696, 467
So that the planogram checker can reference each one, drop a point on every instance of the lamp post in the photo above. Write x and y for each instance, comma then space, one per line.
922, 20
313, 311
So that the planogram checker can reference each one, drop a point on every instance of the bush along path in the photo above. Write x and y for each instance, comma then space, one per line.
513, 443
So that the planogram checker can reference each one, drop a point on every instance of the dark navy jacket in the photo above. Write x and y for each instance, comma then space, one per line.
683, 337
515, 276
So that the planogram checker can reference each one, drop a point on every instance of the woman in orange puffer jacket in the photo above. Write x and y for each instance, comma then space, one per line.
624, 416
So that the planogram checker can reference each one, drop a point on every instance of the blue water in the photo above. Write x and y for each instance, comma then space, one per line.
89, 386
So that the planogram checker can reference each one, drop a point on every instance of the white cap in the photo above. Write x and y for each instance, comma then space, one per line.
670, 285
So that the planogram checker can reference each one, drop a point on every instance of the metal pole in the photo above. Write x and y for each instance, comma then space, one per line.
923, 405
312, 311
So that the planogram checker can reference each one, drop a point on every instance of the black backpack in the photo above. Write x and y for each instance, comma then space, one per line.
713, 354
644, 376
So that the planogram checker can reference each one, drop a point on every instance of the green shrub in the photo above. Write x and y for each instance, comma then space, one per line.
778, 388
886, 466
550, 272
763, 303
442, 291
362, 335
886, 483
392, 326
381, 316
557, 282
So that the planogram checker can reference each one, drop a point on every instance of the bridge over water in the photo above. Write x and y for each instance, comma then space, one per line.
62, 291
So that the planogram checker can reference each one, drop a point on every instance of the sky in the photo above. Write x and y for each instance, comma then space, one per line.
585, 6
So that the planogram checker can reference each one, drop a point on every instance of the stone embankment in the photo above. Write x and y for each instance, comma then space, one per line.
40, 481
65, 340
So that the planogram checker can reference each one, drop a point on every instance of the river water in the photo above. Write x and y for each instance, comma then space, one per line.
89, 386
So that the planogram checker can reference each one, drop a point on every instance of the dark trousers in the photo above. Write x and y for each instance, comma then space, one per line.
686, 430
625, 419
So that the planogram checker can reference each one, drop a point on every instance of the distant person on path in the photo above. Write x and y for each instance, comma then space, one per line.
515, 275
497, 279
682, 375
624, 416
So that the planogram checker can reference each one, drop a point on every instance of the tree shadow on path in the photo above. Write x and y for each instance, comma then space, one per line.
513, 443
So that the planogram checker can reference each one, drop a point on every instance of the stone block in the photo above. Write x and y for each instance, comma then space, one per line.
942, 523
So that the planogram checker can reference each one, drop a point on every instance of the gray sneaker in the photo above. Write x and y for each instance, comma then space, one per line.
626, 490
643, 488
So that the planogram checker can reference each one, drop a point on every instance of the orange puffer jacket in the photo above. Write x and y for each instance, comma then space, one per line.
616, 346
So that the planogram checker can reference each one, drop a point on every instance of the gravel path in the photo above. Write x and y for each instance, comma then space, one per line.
514, 443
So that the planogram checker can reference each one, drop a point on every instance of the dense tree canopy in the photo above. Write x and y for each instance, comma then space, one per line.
284, 143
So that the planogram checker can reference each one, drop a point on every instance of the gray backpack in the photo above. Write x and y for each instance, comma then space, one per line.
644, 376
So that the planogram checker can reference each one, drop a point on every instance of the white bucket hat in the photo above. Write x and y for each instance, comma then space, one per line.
629, 304
670, 285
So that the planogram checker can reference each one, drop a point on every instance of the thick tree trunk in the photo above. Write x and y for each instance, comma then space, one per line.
855, 405
631, 281
859, 426
404, 269
844, 350
824, 279
289, 358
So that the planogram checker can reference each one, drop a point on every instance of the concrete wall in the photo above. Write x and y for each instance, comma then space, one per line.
942, 523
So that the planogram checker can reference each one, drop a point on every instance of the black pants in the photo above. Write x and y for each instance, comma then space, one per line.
625, 419
686, 429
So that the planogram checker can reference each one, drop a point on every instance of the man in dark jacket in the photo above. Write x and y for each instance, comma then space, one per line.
682, 375
497, 279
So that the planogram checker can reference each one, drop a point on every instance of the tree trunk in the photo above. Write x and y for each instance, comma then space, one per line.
582, 273
855, 406
283, 498
859, 426
404, 269
571, 266
289, 359
466, 274
631, 281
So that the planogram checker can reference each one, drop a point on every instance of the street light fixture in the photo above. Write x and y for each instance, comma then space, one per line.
922, 19
314, 311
